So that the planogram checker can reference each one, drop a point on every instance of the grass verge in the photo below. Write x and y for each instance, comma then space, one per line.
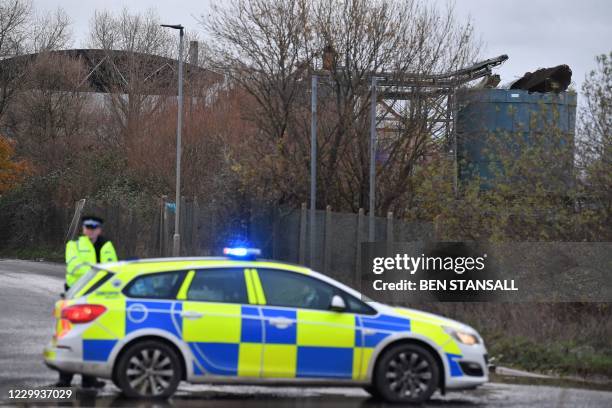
552, 357
33, 254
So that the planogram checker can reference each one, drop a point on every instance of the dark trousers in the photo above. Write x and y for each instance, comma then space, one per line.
65, 379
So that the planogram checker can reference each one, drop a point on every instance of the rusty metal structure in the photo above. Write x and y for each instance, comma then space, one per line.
392, 96
400, 92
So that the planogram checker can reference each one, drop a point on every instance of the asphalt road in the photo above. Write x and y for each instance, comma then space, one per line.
28, 291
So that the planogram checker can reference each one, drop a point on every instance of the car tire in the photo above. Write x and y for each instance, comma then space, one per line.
406, 373
148, 369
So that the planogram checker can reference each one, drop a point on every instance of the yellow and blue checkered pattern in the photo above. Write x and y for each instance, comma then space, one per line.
243, 341
240, 340
259, 340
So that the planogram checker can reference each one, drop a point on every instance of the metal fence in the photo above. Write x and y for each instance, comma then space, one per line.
284, 234
206, 227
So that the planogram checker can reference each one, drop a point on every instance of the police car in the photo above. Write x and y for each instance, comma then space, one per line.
149, 324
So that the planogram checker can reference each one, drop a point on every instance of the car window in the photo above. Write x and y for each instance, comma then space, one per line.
218, 285
162, 285
289, 289
99, 283
81, 283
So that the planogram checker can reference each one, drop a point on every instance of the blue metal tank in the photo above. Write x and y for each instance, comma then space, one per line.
488, 113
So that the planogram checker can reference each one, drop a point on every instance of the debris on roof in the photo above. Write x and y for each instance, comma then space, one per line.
555, 79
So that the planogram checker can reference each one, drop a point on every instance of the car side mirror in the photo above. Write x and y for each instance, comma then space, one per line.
337, 304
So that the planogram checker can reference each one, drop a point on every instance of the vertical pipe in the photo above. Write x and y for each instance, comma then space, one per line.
360, 225
162, 226
447, 132
453, 104
179, 125
183, 226
192, 55
302, 246
372, 204
328, 244
195, 228
390, 234
313, 166
166, 229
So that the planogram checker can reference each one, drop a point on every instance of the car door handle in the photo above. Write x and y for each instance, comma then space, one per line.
280, 322
190, 314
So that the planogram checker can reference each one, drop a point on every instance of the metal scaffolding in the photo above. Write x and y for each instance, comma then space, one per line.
392, 94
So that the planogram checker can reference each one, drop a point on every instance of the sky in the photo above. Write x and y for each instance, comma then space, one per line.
533, 33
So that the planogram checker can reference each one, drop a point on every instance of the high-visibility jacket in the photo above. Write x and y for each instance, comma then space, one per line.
81, 252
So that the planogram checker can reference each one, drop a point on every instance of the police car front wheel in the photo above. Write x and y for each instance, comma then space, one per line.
406, 373
149, 369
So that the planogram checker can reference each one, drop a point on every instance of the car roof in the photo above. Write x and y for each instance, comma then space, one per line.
130, 268
149, 265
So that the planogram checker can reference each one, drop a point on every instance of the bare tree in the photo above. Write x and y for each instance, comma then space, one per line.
594, 145
50, 32
595, 119
50, 115
271, 47
138, 59
23, 31
132, 32
130, 43
398, 38
14, 15
263, 46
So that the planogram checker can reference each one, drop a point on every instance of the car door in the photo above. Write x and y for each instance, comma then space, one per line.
151, 303
221, 324
303, 338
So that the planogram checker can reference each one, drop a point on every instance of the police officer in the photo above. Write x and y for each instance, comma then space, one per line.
89, 248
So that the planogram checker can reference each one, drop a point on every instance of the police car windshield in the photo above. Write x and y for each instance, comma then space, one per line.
84, 281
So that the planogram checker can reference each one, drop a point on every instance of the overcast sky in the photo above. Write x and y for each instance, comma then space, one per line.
534, 33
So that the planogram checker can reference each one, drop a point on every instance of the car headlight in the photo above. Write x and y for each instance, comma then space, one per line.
462, 336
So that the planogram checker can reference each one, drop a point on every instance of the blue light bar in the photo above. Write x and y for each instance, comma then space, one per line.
242, 252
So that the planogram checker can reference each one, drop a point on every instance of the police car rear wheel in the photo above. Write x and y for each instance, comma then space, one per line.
407, 373
150, 369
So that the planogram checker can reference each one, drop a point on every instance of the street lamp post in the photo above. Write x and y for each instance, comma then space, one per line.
176, 249
313, 166
372, 203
